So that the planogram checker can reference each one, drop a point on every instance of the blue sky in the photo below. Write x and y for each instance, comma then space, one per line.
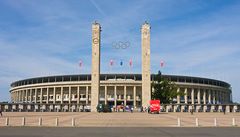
196, 38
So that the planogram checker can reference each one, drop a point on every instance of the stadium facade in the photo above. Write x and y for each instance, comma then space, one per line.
72, 92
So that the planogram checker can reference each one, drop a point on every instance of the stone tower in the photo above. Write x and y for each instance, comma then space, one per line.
146, 74
95, 76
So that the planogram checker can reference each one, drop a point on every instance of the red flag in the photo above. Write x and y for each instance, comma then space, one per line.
161, 63
80, 63
130, 63
111, 62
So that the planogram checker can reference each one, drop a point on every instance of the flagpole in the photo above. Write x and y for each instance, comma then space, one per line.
80, 66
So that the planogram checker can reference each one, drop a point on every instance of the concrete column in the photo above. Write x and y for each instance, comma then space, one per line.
199, 96
214, 96
87, 94
26, 99
36, 95
134, 96
178, 97
31, 95
146, 72
22, 95
204, 96
78, 95
125, 94
95, 75
105, 94
69, 95
54, 95
115, 95
186, 96
192, 96
47, 95
41, 95
18, 96
61, 95
209, 96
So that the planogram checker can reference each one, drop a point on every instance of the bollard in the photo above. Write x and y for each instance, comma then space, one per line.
233, 122
215, 122
56, 122
179, 122
7, 121
73, 122
23, 121
40, 121
197, 124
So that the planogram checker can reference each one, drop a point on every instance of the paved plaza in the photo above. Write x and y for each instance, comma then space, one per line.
120, 119
118, 132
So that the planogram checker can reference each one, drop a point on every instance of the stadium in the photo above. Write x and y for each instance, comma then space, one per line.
115, 89
78, 92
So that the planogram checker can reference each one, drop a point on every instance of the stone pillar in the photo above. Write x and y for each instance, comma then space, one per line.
186, 96
95, 76
22, 95
41, 95
199, 96
134, 96
78, 95
87, 94
178, 97
105, 94
146, 74
61, 95
69, 95
36, 95
204, 96
125, 95
209, 96
54, 95
214, 96
192, 96
115, 95
31, 95
26, 99
47, 95
18, 96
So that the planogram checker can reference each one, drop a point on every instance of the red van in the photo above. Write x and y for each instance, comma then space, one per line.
154, 106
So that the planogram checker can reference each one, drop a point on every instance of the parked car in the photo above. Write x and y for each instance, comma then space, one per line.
103, 108
87, 109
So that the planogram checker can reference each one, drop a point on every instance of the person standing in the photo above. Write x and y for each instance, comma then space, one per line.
131, 109
1, 112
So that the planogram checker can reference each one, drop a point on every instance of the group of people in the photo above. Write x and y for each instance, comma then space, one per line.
123, 108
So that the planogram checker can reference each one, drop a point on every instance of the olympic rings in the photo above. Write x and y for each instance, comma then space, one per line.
121, 45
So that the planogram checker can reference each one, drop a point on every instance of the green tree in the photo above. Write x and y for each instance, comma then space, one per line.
164, 89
